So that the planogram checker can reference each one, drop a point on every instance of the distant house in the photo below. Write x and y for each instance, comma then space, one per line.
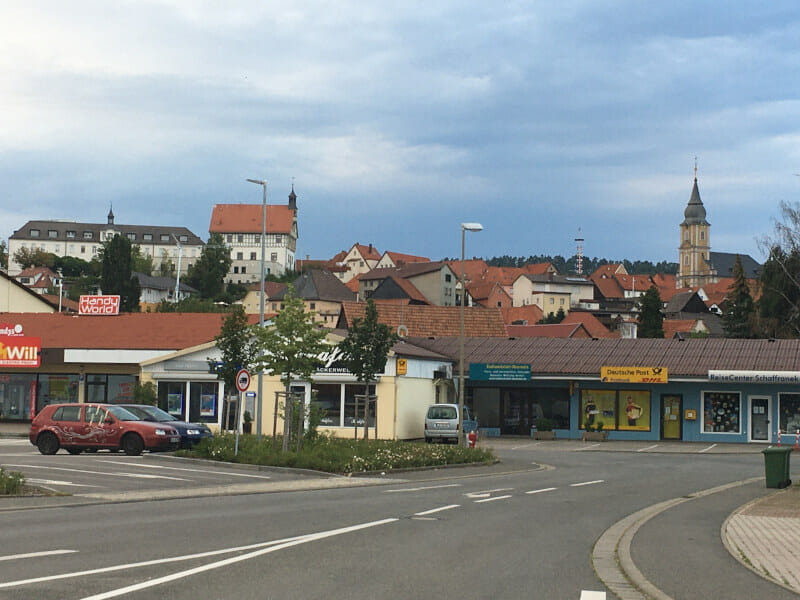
359, 259
436, 281
321, 292
252, 300
558, 330
395, 288
154, 290
396, 259
551, 292
37, 279
17, 298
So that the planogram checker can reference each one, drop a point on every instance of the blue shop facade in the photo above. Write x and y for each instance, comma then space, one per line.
713, 391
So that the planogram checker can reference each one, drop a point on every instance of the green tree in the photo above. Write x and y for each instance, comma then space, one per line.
166, 267
291, 348
779, 302
737, 319
71, 267
366, 350
207, 275
33, 257
553, 318
238, 347
3, 255
141, 263
651, 317
116, 276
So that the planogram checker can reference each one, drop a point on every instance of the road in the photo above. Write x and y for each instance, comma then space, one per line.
522, 529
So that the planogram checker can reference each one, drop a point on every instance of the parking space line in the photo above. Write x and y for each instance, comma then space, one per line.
493, 499
435, 510
550, 489
56, 482
647, 448
36, 554
706, 449
132, 475
589, 447
531, 445
143, 466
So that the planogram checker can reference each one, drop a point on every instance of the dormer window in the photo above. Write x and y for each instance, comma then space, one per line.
164, 237
52, 234
87, 235
35, 233
183, 238
71, 234
131, 236
147, 237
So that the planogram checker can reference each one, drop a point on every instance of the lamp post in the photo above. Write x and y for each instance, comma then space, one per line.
263, 184
464, 228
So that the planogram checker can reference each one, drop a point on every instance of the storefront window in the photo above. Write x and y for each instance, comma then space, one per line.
114, 389
598, 407
789, 411
350, 393
56, 389
327, 397
721, 412
16, 396
171, 397
634, 410
203, 401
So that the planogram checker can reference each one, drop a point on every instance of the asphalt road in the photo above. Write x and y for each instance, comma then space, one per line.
522, 529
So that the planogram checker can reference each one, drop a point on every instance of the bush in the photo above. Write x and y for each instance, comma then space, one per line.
544, 424
335, 455
11, 482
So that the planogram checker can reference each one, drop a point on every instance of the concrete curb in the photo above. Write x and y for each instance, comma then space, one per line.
611, 554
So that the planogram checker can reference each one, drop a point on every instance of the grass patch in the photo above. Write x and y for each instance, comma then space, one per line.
336, 455
11, 482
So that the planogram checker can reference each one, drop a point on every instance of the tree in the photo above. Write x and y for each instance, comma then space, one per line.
117, 276
553, 318
238, 348
33, 257
3, 255
366, 350
141, 263
779, 304
166, 267
737, 319
207, 275
291, 348
651, 319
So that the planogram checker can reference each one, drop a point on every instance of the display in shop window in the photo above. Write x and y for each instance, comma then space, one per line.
208, 405
721, 412
599, 406
634, 410
175, 404
789, 412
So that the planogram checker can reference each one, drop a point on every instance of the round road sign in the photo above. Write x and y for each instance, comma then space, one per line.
242, 380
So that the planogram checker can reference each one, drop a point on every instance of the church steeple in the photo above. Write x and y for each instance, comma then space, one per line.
111, 215
292, 198
694, 251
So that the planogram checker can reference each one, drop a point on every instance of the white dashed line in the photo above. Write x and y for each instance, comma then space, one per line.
589, 447
586, 483
435, 510
706, 449
647, 448
541, 490
419, 489
493, 499
36, 554
486, 493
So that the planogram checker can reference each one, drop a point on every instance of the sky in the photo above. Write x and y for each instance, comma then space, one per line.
397, 122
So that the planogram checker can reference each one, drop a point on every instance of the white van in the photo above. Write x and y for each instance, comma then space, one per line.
441, 422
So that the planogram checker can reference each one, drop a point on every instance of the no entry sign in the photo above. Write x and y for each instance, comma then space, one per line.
242, 380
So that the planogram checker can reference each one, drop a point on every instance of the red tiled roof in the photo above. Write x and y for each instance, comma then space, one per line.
128, 331
246, 218
352, 283
608, 287
673, 326
425, 321
530, 313
634, 283
539, 268
609, 270
400, 259
558, 330
595, 328
410, 289
368, 252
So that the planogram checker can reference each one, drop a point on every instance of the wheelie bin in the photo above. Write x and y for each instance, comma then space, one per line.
776, 466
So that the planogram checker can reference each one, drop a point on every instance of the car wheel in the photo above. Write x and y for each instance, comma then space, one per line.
428, 440
47, 443
132, 445
74, 450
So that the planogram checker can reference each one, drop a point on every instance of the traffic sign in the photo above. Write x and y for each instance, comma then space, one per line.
242, 380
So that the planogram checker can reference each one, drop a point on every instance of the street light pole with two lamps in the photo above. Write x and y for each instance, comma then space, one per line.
474, 227
259, 404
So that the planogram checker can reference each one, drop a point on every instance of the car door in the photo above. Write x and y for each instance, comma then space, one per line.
102, 429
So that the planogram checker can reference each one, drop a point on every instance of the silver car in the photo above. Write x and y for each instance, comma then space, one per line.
441, 422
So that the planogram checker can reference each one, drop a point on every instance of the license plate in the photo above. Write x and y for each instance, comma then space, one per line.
175, 439
442, 425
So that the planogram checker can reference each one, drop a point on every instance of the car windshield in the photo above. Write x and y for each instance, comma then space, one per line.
152, 413
442, 412
122, 414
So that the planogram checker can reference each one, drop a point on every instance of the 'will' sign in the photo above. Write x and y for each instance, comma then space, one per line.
20, 351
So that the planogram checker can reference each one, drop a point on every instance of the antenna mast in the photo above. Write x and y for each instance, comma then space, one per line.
579, 253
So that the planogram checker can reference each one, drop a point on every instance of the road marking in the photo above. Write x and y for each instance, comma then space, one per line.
706, 449
541, 490
493, 498
133, 475
586, 595
418, 489
36, 554
586, 483
486, 493
589, 447
235, 559
435, 510
275, 544
648, 448
526, 446
122, 462
57, 482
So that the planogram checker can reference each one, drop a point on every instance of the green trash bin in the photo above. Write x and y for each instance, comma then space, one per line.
776, 466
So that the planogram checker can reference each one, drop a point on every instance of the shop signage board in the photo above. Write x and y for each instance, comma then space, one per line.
99, 305
754, 376
633, 374
499, 372
20, 351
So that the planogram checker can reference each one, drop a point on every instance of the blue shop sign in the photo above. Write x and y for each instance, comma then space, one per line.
499, 372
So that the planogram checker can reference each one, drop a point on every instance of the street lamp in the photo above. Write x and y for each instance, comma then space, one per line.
263, 184
464, 228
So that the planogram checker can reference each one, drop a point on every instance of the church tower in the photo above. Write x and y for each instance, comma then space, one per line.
694, 268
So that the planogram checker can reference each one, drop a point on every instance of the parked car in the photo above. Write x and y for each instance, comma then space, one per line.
91, 427
441, 423
190, 432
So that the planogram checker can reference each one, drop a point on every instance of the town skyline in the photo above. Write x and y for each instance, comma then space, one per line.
396, 126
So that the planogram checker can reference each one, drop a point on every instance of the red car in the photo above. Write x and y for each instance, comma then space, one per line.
78, 427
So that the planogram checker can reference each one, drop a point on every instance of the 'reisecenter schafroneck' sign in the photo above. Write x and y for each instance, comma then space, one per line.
99, 305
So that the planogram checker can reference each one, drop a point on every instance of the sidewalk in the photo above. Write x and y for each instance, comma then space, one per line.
763, 535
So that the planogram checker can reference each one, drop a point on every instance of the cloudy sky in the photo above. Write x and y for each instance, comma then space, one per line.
399, 121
